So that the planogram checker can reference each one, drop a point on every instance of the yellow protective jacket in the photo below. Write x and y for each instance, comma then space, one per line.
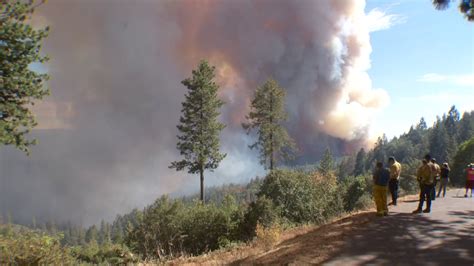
395, 170
424, 174
436, 170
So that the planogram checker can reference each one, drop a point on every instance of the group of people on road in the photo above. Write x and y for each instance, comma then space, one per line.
429, 174
384, 177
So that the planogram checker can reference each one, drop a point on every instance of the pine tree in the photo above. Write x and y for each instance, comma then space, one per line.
51, 227
422, 124
92, 234
359, 167
117, 233
346, 167
466, 127
451, 121
266, 116
418, 138
199, 128
326, 165
81, 236
33, 223
118, 230
107, 234
66, 241
466, 7
20, 86
101, 236
414, 136
379, 151
439, 141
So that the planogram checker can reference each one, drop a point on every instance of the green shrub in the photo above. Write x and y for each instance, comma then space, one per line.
27, 247
262, 212
364, 202
158, 232
169, 228
463, 157
107, 253
203, 227
409, 185
353, 190
87, 253
302, 197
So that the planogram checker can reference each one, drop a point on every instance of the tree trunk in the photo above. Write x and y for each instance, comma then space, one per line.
271, 152
201, 160
201, 174
271, 133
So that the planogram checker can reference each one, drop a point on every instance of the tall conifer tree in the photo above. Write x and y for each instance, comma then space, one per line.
359, 167
439, 141
266, 116
326, 165
199, 129
20, 86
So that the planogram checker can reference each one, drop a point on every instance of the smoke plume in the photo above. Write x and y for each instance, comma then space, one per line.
107, 133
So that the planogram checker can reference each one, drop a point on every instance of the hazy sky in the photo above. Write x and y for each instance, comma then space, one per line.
424, 60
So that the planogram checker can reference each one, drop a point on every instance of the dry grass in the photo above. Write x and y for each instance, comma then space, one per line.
267, 238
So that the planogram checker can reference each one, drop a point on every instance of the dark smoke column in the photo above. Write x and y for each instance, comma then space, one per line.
108, 130
318, 50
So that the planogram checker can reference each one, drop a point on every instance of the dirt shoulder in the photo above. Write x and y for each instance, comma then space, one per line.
319, 241
293, 247
443, 236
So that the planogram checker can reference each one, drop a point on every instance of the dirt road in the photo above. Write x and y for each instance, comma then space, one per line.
443, 237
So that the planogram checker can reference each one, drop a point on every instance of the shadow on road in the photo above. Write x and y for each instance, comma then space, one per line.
464, 215
400, 238
413, 200
414, 239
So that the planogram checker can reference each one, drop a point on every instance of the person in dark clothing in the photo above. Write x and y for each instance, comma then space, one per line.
444, 179
381, 176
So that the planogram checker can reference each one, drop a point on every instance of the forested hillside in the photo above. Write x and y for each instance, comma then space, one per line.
441, 141
233, 213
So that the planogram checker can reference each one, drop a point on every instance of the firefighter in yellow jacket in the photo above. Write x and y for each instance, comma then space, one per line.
426, 179
395, 170
435, 172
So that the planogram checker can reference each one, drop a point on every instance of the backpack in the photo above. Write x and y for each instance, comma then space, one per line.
382, 177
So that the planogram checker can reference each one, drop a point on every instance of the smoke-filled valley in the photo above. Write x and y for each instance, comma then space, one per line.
107, 133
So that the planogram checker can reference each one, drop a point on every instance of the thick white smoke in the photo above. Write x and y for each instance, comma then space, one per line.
108, 130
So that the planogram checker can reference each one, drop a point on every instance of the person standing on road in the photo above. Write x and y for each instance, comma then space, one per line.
395, 169
444, 179
435, 171
469, 178
425, 178
381, 177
